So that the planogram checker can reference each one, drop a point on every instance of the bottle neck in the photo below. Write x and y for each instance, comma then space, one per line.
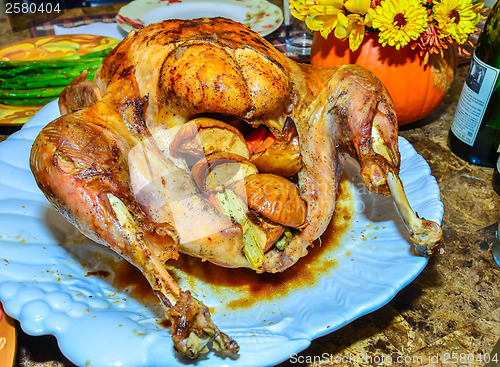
488, 44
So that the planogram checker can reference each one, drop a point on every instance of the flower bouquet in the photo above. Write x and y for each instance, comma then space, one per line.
428, 26
410, 45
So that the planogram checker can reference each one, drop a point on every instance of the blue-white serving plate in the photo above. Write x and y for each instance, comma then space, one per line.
55, 281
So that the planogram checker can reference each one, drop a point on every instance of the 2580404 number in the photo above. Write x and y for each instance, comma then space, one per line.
32, 8
467, 358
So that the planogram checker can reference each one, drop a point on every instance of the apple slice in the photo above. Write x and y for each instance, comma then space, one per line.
204, 136
220, 170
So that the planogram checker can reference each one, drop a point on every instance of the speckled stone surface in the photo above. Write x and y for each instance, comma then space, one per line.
452, 307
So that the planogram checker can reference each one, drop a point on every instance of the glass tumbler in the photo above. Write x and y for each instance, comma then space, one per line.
298, 37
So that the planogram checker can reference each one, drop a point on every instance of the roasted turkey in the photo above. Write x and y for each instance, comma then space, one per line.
126, 164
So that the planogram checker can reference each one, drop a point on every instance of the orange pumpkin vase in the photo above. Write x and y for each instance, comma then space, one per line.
416, 88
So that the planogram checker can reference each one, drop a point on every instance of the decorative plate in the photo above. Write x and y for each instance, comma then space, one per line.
55, 281
7, 339
41, 48
259, 15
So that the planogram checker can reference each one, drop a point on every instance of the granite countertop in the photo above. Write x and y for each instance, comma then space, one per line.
452, 306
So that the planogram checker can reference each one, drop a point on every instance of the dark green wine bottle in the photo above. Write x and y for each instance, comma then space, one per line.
496, 178
475, 130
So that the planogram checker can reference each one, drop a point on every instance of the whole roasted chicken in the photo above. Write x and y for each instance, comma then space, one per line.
157, 156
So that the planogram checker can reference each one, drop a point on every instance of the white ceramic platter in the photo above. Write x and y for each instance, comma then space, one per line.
260, 15
54, 281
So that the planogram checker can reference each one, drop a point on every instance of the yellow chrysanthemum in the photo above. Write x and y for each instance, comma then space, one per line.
456, 18
399, 21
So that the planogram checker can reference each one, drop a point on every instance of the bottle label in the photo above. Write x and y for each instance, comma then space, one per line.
473, 101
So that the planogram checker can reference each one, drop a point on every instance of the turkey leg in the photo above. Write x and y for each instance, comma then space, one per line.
192, 325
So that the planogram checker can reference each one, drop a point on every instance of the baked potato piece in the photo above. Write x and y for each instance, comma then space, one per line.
203, 136
283, 156
217, 171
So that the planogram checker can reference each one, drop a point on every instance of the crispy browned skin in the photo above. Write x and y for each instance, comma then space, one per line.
106, 167
78, 94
